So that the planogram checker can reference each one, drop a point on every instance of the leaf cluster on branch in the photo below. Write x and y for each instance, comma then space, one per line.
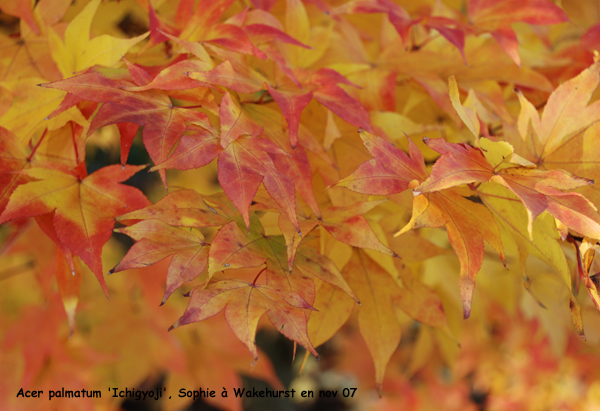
338, 144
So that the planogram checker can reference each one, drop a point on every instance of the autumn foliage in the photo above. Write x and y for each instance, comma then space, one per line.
406, 190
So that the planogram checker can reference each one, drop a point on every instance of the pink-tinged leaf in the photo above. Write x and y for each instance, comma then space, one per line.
69, 101
389, 172
231, 249
224, 75
497, 13
244, 304
234, 122
348, 225
185, 208
399, 18
194, 150
540, 191
291, 236
262, 33
244, 165
278, 274
298, 168
451, 31
274, 54
347, 108
239, 181
138, 74
157, 241
163, 123
206, 15
291, 105
279, 186
459, 164
591, 38
233, 38
157, 28
507, 38
326, 76
176, 77
196, 49
309, 261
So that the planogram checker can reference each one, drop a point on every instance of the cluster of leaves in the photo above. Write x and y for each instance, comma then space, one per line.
315, 225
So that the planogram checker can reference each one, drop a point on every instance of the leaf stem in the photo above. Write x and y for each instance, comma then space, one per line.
258, 275
37, 145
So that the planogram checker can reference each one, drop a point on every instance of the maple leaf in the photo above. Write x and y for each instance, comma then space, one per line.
230, 249
296, 206
562, 137
496, 16
184, 208
348, 225
538, 190
79, 52
84, 206
540, 240
243, 165
13, 157
291, 105
389, 172
421, 302
468, 224
163, 123
378, 324
333, 308
244, 303
157, 241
